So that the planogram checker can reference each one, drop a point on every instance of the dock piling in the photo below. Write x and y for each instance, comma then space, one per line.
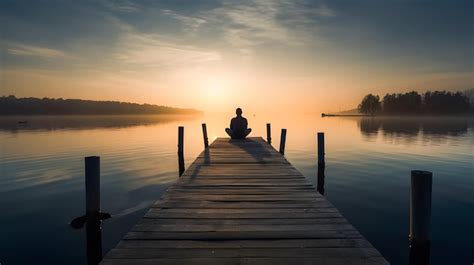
93, 217
92, 170
321, 160
204, 135
420, 217
282, 141
420, 206
269, 133
181, 150
321, 177
92, 180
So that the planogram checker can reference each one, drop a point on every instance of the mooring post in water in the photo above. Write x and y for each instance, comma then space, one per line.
269, 133
321, 177
93, 217
282, 141
420, 206
420, 216
321, 160
204, 135
181, 149
92, 168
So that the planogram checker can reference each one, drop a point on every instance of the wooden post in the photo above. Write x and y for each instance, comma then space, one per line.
92, 169
321, 177
181, 150
269, 133
321, 160
204, 135
282, 141
420, 206
420, 217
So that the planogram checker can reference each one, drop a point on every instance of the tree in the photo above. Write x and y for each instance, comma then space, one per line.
370, 105
49, 106
408, 103
469, 93
442, 102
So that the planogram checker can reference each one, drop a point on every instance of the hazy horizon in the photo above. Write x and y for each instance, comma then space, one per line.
263, 56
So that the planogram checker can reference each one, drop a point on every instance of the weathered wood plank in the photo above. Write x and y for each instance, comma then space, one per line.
250, 261
187, 215
133, 253
239, 205
233, 235
294, 211
240, 228
286, 243
259, 221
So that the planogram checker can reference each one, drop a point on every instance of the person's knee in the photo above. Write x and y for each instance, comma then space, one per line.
247, 132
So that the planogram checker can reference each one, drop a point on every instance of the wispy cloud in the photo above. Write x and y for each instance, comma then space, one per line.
152, 50
121, 5
245, 25
29, 50
269, 21
242, 28
191, 22
253, 24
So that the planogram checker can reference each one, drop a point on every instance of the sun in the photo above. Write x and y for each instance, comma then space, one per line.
217, 89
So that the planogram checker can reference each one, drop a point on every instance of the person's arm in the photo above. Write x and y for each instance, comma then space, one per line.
231, 123
246, 124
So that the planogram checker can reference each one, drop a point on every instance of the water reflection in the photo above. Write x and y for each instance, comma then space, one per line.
93, 241
93, 226
15, 124
419, 253
367, 179
411, 128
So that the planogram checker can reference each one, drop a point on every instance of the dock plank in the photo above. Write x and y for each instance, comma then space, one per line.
241, 202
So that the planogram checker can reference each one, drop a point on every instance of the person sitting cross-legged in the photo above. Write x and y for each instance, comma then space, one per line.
238, 126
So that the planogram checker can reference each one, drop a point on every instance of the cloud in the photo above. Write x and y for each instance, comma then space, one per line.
29, 50
152, 50
192, 23
245, 25
253, 24
121, 5
232, 28
269, 21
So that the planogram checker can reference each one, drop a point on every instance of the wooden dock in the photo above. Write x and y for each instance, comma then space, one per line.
242, 202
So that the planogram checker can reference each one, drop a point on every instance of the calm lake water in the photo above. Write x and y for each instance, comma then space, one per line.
368, 165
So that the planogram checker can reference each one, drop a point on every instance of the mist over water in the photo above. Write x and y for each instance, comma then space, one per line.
368, 163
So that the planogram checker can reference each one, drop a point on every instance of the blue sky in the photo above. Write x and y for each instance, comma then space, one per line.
153, 50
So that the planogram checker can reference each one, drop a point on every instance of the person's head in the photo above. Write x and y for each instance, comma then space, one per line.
238, 111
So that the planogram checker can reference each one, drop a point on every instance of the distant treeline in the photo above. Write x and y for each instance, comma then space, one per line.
412, 103
11, 105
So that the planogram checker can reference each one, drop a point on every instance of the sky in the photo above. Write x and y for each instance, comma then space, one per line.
262, 55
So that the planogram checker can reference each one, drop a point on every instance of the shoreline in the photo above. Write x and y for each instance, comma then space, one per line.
345, 115
465, 115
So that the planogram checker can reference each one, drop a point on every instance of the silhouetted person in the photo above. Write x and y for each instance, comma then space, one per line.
238, 126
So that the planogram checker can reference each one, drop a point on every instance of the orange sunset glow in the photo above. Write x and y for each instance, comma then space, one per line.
278, 55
